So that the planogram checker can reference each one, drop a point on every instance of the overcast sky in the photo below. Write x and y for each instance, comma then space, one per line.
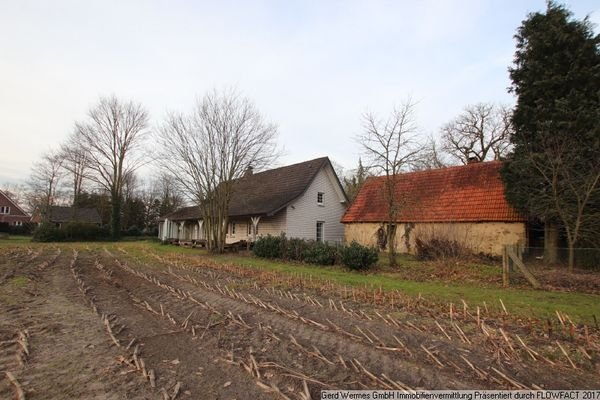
311, 67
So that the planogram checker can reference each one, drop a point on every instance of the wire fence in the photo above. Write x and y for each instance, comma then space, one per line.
538, 257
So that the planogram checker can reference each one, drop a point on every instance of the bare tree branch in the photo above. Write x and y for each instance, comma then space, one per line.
210, 148
45, 180
481, 132
390, 147
112, 137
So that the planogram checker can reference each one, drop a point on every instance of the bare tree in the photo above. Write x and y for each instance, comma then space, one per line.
390, 148
77, 163
481, 132
17, 192
45, 179
207, 150
112, 136
159, 196
430, 157
559, 177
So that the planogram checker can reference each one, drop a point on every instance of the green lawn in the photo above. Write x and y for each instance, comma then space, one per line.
14, 239
519, 301
524, 302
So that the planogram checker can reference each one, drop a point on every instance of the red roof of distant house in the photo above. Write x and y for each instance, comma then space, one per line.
469, 193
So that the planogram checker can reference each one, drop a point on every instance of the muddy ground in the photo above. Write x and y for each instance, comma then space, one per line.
98, 323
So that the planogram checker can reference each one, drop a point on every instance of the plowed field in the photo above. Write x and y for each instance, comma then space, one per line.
100, 323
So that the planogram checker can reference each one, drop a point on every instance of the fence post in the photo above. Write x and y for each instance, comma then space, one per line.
505, 277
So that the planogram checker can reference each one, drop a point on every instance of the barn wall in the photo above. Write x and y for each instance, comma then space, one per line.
484, 237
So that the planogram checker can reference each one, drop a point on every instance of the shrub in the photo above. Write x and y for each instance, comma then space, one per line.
319, 253
47, 232
133, 231
268, 247
436, 248
356, 256
24, 229
294, 249
72, 231
75, 231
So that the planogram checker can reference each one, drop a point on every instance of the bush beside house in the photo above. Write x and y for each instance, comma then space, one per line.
354, 256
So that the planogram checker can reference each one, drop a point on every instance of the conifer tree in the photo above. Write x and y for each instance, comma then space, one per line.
554, 171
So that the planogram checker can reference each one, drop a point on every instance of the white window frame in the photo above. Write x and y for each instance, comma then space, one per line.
5, 210
232, 229
321, 198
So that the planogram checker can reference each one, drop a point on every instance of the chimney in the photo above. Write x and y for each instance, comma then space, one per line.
249, 171
473, 160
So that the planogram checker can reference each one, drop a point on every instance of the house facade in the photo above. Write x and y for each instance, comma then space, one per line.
465, 204
11, 213
304, 200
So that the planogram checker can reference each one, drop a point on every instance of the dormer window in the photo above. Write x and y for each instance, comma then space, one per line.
320, 196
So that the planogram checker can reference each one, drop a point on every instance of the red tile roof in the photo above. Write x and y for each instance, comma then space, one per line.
469, 193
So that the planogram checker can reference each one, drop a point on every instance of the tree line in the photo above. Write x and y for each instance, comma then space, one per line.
550, 142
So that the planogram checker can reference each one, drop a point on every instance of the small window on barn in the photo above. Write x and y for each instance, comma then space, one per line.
320, 196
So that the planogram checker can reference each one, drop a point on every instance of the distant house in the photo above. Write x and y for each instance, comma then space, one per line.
59, 215
463, 203
11, 213
304, 200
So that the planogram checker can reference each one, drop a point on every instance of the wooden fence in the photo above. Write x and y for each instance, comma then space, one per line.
512, 256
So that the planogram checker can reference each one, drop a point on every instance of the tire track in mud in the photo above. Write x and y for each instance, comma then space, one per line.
457, 358
17, 323
167, 348
55, 350
329, 343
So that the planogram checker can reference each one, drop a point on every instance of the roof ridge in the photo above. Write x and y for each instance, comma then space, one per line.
444, 169
13, 202
285, 166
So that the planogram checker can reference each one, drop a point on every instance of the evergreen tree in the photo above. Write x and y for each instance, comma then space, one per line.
353, 184
554, 171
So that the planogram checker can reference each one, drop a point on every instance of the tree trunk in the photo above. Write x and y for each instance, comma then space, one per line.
571, 256
115, 218
392, 245
550, 242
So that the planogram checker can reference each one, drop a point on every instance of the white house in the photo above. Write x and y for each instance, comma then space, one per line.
304, 200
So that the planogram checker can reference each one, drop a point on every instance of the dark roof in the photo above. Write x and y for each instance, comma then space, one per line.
74, 214
264, 193
184, 213
469, 193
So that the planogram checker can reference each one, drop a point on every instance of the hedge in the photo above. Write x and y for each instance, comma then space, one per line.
354, 256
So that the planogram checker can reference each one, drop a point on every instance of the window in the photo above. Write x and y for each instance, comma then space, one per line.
320, 197
232, 229
249, 228
19, 223
320, 231
5, 210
